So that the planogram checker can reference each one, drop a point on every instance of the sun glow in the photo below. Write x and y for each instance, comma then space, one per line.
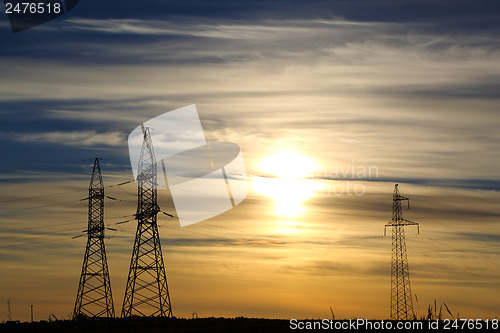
285, 182
288, 165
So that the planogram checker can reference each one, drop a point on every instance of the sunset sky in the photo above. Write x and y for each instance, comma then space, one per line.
309, 91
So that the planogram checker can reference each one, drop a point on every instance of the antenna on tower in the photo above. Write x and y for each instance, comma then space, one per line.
94, 298
8, 308
401, 298
146, 293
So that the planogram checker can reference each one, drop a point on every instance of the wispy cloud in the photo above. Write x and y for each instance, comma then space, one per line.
264, 30
266, 85
74, 138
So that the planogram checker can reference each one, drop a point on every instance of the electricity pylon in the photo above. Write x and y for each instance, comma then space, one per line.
94, 297
401, 297
146, 293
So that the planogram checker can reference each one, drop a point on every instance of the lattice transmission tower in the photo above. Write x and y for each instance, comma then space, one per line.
146, 293
401, 297
94, 298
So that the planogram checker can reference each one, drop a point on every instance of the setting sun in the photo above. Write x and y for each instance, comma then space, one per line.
288, 165
286, 184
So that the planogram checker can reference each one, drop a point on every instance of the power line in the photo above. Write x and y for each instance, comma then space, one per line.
51, 195
42, 206
453, 228
446, 264
40, 196
59, 224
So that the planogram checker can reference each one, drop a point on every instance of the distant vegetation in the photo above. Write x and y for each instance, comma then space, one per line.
150, 325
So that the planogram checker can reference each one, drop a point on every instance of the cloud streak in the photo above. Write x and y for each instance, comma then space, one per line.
74, 138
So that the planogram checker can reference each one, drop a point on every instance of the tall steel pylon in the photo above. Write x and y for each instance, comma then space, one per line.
401, 297
94, 298
146, 293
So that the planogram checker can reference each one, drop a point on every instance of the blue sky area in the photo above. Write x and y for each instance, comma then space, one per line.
57, 76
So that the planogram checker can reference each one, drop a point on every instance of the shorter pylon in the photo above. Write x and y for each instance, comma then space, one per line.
94, 297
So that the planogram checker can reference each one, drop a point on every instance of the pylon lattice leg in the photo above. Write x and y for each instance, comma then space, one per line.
401, 297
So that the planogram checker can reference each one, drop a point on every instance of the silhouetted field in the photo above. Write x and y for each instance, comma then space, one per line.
241, 324
151, 325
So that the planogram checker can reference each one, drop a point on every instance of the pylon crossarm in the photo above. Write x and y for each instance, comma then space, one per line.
385, 228
408, 222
